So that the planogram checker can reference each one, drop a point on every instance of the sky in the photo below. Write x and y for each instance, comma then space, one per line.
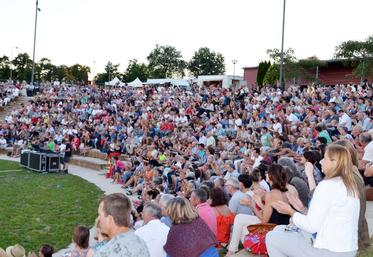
93, 32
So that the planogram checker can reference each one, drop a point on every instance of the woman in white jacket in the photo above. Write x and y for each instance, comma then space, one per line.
330, 227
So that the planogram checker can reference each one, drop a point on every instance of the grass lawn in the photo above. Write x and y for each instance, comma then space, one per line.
43, 208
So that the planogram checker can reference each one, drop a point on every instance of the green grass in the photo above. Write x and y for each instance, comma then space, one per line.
40, 208
368, 252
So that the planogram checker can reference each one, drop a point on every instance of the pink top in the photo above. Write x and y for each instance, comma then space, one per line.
119, 164
208, 215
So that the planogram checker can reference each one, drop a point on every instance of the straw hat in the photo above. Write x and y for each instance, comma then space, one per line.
16, 251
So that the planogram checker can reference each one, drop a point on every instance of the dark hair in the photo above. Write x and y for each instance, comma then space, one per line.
201, 194
246, 180
218, 197
47, 250
153, 193
118, 206
277, 175
255, 175
312, 156
81, 236
322, 140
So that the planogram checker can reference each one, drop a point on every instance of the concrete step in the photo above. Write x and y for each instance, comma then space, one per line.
89, 162
95, 153
13, 105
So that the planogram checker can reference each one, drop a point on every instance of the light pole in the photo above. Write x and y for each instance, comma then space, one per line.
234, 69
282, 49
11, 63
33, 54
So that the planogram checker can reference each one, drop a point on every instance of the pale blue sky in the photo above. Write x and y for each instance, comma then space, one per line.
84, 31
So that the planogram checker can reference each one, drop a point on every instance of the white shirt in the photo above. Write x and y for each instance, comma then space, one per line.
368, 152
345, 121
293, 118
278, 128
333, 215
155, 236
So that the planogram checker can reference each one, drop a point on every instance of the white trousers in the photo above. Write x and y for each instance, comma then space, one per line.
281, 243
241, 221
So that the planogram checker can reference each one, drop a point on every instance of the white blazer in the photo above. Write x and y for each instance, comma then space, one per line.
333, 215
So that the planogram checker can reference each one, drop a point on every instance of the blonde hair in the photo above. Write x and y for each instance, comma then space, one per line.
344, 167
181, 211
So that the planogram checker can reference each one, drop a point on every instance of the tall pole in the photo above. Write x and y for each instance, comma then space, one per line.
33, 54
282, 49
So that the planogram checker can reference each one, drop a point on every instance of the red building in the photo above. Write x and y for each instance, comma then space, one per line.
334, 72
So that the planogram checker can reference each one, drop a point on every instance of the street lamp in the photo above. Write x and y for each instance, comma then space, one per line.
33, 54
234, 69
282, 49
11, 63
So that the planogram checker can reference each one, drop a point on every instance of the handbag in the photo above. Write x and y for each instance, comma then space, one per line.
254, 242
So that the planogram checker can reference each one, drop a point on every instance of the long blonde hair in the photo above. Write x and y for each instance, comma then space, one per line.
344, 167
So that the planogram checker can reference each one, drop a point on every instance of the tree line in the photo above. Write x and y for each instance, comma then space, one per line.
167, 62
162, 62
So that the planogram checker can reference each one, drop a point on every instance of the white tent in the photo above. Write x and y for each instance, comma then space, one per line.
136, 83
115, 82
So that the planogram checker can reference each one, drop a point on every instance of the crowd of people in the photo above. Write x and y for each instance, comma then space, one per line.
207, 163
8, 92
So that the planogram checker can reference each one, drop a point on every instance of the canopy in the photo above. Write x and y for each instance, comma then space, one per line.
136, 83
115, 82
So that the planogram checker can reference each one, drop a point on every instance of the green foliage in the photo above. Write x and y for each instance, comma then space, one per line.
166, 62
275, 55
111, 71
294, 70
206, 62
46, 69
136, 70
262, 70
4, 68
36, 209
272, 75
22, 67
79, 73
359, 54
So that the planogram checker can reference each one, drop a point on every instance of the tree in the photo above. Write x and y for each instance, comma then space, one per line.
291, 69
4, 68
111, 71
262, 70
166, 61
62, 73
79, 73
272, 75
206, 62
136, 70
359, 54
45, 69
22, 67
